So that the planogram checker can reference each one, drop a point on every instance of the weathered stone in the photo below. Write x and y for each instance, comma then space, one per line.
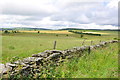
74, 47
105, 43
72, 50
98, 45
43, 54
11, 65
26, 67
54, 56
4, 69
17, 62
53, 51
92, 47
64, 52
29, 59
101, 45
68, 51
83, 48
113, 41
39, 61
35, 55
78, 48
1, 66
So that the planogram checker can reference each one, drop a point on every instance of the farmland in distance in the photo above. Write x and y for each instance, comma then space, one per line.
26, 43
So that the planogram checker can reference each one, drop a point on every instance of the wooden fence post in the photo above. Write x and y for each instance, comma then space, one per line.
54, 45
83, 42
89, 50
91, 42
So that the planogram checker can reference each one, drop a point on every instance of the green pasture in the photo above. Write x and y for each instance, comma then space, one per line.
100, 63
25, 44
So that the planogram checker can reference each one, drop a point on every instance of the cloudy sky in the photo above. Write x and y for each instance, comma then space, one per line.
57, 14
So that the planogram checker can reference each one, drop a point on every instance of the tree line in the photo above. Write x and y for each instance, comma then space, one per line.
13, 31
84, 33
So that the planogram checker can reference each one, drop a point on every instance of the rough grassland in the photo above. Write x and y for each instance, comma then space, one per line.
101, 63
26, 44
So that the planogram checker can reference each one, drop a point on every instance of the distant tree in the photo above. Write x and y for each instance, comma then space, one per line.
15, 31
67, 35
115, 38
56, 34
81, 36
6, 31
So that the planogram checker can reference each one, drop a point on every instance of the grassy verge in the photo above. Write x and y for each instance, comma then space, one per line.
101, 63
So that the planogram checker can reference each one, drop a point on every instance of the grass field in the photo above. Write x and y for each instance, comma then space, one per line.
25, 44
101, 63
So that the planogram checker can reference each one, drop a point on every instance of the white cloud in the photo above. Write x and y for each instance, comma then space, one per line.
113, 4
59, 13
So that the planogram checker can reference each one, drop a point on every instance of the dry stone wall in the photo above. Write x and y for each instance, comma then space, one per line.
37, 62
